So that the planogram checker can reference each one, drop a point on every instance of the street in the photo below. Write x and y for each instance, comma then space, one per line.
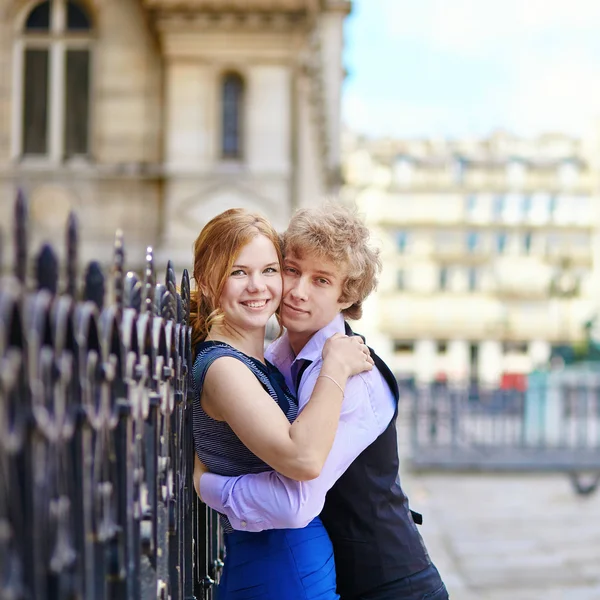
509, 537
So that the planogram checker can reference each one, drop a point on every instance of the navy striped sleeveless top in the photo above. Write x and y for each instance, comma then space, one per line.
215, 443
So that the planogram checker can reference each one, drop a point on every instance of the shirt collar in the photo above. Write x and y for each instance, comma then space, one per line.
280, 352
314, 347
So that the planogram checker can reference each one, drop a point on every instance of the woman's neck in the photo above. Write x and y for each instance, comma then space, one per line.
251, 343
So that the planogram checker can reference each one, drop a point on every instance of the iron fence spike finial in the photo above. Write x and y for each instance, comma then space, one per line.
20, 268
180, 313
148, 296
132, 292
47, 269
119, 265
171, 280
169, 305
94, 285
160, 304
72, 248
185, 295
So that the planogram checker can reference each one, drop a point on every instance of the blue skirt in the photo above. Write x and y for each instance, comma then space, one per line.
279, 564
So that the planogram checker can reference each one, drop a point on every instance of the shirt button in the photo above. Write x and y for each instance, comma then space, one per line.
243, 523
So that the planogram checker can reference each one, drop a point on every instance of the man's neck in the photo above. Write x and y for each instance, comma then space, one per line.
298, 340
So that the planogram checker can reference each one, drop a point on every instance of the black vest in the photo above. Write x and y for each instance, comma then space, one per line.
366, 514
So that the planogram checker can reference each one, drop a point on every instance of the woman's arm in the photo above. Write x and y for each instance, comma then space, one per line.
268, 500
232, 393
199, 470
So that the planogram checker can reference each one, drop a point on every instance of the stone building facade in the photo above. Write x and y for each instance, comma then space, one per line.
490, 251
154, 115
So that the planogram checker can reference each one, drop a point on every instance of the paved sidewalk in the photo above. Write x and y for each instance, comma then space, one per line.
510, 537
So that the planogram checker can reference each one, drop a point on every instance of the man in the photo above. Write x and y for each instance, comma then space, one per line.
329, 270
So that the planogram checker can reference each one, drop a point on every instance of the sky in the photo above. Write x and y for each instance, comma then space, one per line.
455, 68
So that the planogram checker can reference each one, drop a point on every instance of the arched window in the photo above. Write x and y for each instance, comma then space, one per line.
54, 53
232, 108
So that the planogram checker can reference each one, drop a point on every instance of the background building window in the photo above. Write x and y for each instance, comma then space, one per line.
501, 242
459, 170
233, 92
527, 238
401, 240
77, 19
472, 241
400, 279
514, 347
472, 279
471, 205
404, 346
526, 206
77, 102
474, 359
35, 105
64, 83
443, 279
39, 18
498, 207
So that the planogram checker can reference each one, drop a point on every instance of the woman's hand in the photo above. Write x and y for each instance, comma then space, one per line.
349, 351
199, 470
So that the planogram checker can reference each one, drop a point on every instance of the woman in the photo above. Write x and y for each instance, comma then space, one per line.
245, 418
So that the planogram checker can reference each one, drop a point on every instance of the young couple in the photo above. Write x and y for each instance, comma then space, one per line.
297, 447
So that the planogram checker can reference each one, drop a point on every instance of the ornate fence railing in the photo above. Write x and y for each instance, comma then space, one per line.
553, 426
96, 450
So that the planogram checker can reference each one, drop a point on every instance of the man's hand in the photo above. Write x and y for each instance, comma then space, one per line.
199, 470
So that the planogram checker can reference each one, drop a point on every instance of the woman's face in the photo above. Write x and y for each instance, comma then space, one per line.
252, 291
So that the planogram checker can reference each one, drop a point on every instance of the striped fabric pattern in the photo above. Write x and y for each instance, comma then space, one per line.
215, 443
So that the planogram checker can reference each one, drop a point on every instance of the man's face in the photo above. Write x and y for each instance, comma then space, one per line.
312, 287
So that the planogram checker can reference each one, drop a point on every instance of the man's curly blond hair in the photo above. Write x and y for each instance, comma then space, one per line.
336, 233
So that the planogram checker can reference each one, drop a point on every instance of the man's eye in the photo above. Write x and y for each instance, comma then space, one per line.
290, 270
323, 281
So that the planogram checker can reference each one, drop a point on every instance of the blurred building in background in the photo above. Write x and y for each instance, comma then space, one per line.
489, 249
155, 115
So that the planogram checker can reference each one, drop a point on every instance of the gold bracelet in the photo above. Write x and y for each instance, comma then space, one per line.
334, 381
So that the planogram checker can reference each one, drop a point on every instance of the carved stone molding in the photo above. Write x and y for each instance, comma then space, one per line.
166, 20
220, 6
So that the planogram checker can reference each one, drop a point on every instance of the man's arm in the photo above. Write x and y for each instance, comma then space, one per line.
269, 500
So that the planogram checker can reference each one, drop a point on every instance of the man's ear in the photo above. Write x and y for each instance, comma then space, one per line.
345, 305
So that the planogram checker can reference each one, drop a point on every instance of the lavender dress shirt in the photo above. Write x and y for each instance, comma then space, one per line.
269, 500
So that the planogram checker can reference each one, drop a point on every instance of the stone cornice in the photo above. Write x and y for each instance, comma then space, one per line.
343, 6
273, 22
235, 6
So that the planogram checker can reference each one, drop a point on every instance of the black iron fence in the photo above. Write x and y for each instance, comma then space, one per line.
96, 451
552, 426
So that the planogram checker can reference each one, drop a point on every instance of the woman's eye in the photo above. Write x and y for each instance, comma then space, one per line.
323, 281
271, 270
238, 272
